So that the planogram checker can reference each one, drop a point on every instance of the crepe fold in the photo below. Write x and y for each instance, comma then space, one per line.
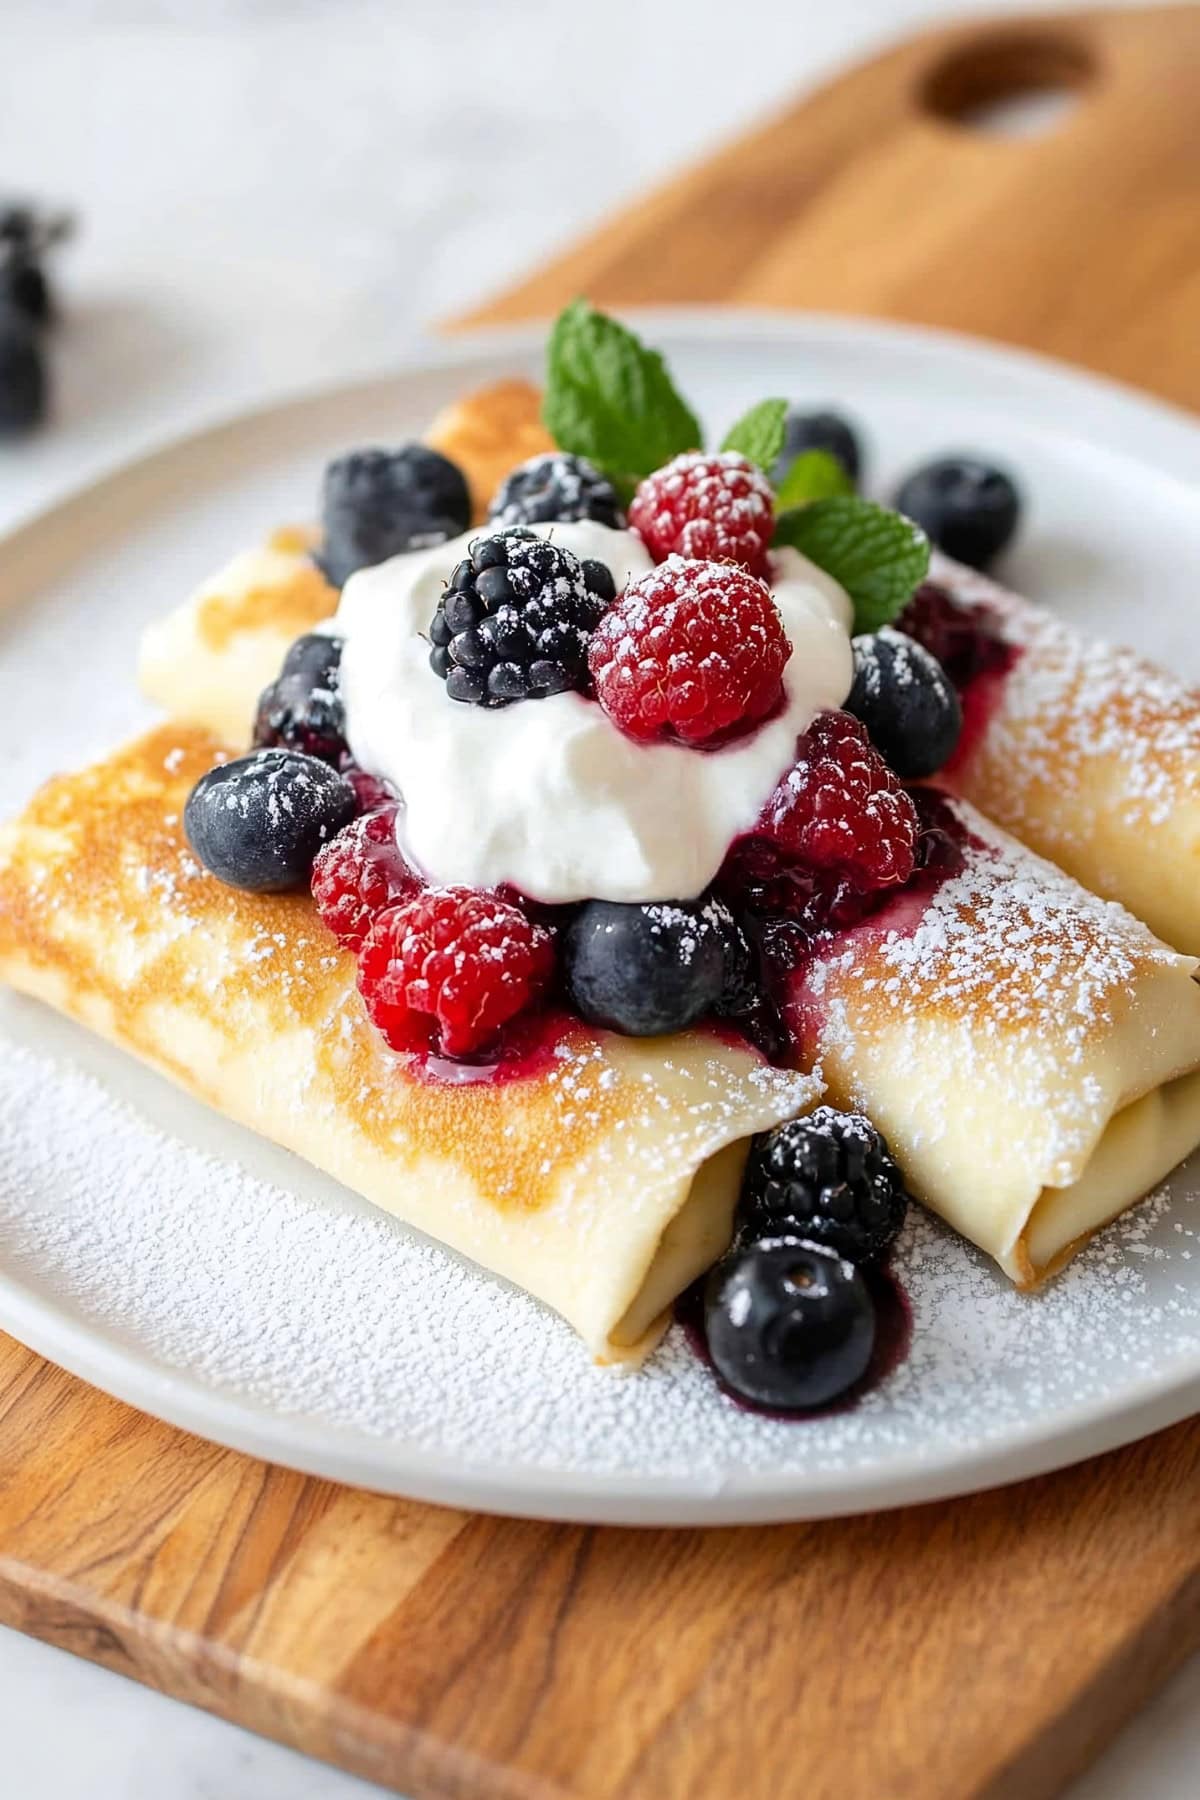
602, 1181
208, 661
1088, 754
1029, 1050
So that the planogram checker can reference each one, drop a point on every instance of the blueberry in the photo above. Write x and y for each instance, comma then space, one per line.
827, 1177
966, 507
907, 702
23, 286
818, 431
648, 970
556, 488
258, 823
22, 374
378, 503
790, 1324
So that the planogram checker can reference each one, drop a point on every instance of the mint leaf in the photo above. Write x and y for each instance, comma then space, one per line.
815, 475
878, 556
758, 434
609, 398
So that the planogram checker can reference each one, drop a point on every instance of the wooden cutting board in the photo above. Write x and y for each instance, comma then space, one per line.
987, 1647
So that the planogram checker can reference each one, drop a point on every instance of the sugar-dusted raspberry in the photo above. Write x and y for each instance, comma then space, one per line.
359, 874
691, 650
448, 970
840, 809
715, 508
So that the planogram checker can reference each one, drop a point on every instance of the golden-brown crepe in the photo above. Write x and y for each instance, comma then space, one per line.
1029, 1050
602, 1181
1088, 754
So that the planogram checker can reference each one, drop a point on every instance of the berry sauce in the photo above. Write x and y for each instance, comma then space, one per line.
940, 855
893, 1340
528, 1050
970, 644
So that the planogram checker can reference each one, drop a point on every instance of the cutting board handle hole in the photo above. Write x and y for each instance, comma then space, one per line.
1016, 86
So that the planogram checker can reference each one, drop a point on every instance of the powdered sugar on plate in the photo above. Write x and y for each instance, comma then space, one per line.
313, 1306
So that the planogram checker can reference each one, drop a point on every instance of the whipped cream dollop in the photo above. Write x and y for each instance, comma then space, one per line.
549, 795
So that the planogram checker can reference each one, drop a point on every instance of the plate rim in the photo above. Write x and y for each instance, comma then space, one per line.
1151, 431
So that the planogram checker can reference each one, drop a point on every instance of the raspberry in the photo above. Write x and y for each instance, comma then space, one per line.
714, 508
447, 970
841, 810
692, 649
359, 874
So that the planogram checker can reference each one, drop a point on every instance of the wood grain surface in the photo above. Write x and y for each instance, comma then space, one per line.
876, 195
987, 1647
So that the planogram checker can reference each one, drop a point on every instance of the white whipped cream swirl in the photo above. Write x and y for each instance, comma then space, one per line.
549, 795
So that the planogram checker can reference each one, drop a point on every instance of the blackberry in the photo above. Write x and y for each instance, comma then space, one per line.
302, 710
378, 503
556, 489
968, 508
516, 619
828, 1177
907, 702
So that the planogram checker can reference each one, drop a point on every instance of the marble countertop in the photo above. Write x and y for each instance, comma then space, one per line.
280, 192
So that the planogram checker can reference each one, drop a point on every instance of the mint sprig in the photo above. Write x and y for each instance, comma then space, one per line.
609, 398
815, 475
758, 434
878, 556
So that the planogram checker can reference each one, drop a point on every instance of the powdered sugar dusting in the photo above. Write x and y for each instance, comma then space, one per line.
1018, 955
1071, 700
320, 1309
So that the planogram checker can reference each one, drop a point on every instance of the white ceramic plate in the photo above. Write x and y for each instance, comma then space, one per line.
183, 1265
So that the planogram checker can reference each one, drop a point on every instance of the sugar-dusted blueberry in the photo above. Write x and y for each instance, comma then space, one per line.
378, 503
967, 507
828, 1177
259, 822
826, 431
907, 702
556, 489
790, 1324
646, 970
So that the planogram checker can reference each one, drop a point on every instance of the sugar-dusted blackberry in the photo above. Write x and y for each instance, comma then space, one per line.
516, 620
302, 710
556, 488
828, 1177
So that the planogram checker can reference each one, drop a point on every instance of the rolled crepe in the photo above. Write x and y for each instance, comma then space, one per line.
1029, 1050
603, 1180
1089, 755
207, 662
